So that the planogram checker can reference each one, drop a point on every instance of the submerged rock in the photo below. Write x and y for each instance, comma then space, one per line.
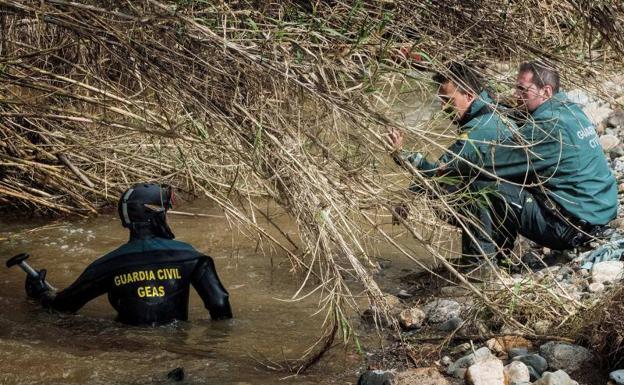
441, 310
564, 356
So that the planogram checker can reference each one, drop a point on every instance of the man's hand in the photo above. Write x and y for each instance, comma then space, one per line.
35, 286
395, 138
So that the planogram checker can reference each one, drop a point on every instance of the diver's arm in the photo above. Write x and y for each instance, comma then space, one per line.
206, 281
90, 284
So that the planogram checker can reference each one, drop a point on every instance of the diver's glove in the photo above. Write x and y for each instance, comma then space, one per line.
36, 287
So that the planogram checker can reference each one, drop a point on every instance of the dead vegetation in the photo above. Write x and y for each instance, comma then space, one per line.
289, 101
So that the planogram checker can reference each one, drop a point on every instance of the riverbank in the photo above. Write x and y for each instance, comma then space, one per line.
450, 337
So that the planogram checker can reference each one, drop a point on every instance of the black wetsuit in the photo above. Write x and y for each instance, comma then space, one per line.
147, 281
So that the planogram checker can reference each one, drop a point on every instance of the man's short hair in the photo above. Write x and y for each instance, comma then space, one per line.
465, 76
542, 74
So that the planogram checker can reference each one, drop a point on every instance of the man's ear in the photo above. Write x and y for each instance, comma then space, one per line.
548, 91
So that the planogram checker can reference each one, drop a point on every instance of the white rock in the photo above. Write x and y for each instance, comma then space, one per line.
617, 376
517, 371
609, 142
607, 271
481, 354
555, 378
488, 372
596, 287
579, 97
597, 112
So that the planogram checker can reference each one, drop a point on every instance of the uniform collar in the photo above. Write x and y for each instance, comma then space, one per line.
480, 106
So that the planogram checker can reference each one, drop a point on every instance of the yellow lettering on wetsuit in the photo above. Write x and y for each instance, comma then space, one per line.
146, 291
172, 273
151, 291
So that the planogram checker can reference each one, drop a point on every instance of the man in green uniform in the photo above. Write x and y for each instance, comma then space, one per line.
462, 95
558, 188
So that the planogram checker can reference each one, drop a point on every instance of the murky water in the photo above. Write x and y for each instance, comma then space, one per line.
37, 347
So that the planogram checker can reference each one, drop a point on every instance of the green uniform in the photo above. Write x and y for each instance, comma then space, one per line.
479, 126
562, 153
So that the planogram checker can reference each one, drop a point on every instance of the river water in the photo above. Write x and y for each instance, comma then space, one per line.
37, 347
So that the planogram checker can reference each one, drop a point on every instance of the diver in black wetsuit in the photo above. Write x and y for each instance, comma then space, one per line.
147, 279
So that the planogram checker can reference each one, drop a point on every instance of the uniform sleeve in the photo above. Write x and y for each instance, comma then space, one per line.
92, 283
206, 281
533, 149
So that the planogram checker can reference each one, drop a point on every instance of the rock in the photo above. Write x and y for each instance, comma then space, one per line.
616, 119
607, 271
557, 378
424, 376
446, 361
487, 372
533, 374
441, 310
450, 325
461, 348
515, 352
596, 287
579, 97
376, 377
479, 355
535, 361
505, 343
597, 112
609, 142
454, 291
542, 326
517, 372
617, 376
403, 294
176, 374
412, 318
392, 301
564, 356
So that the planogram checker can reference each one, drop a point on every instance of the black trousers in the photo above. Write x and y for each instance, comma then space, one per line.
501, 211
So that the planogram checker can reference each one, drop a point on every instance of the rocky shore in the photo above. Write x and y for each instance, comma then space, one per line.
452, 342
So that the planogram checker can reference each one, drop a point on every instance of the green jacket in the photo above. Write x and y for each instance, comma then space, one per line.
559, 149
482, 124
